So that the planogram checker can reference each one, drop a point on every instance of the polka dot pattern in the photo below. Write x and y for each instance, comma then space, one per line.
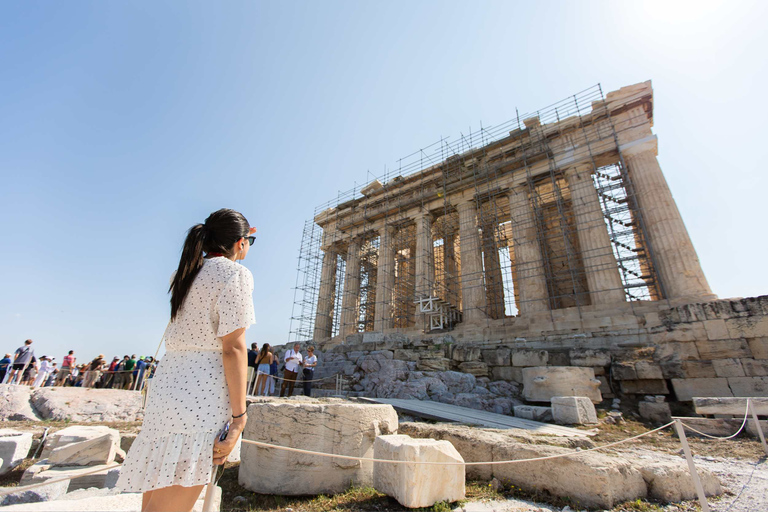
188, 402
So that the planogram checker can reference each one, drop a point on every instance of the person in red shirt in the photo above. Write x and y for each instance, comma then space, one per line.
66, 368
111, 375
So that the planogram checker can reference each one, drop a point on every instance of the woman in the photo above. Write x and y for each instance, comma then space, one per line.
200, 384
262, 366
272, 372
310, 362
42, 373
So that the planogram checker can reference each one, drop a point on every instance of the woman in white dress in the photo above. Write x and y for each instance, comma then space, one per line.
200, 384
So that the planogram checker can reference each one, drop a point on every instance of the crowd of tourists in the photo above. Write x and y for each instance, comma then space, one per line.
266, 367
24, 368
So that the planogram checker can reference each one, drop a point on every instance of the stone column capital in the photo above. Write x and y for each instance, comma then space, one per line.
636, 147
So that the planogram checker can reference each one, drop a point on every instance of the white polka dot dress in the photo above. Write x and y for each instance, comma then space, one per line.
188, 402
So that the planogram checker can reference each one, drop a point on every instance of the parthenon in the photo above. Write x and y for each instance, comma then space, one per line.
566, 207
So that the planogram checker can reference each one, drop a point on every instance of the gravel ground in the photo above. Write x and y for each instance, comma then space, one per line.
746, 484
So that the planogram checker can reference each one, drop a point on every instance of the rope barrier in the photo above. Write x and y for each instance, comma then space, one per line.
719, 438
258, 372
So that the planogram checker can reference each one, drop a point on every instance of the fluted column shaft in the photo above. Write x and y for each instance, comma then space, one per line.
677, 263
425, 262
451, 270
494, 282
385, 280
472, 289
350, 302
602, 271
326, 296
531, 284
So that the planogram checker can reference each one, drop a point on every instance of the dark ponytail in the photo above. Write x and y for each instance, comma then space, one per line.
221, 230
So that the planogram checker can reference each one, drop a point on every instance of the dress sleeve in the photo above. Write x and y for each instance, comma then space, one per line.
235, 304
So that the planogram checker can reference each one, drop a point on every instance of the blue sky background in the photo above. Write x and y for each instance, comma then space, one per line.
124, 123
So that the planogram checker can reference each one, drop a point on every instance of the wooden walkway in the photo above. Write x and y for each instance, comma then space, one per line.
454, 413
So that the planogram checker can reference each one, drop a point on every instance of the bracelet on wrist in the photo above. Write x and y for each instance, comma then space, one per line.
239, 415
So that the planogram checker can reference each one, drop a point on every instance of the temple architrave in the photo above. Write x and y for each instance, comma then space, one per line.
551, 240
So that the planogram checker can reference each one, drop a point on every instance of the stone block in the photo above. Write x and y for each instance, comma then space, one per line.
599, 370
699, 369
14, 448
42, 472
333, 425
541, 383
716, 330
670, 481
126, 441
498, 357
465, 353
648, 370
44, 493
755, 367
679, 351
645, 387
686, 389
98, 450
655, 412
759, 347
77, 434
573, 410
605, 387
723, 349
558, 358
508, 373
734, 406
406, 355
526, 358
723, 427
15, 405
728, 368
748, 327
748, 386
532, 412
672, 369
439, 364
475, 368
589, 357
415, 486
87, 405
623, 371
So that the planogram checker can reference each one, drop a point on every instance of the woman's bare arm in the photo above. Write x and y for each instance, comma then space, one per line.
235, 354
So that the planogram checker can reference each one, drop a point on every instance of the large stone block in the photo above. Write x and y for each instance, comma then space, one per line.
670, 481
475, 368
748, 386
755, 367
698, 369
748, 327
723, 349
498, 357
647, 370
330, 426
78, 434
716, 329
532, 412
728, 368
99, 502
465, 353
589, 357
14, 447
88, 405
44, 493
43, 471
730, 405
655, 412
406, 355
681, 351
573, 410
759, 348
436, 364
530, 358
623, 371
418, 485
541, 383
508, 373
15, 405
686, 389
99, 450
645, 387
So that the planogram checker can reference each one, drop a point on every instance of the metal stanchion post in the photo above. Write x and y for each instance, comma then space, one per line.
691, 467
757, 425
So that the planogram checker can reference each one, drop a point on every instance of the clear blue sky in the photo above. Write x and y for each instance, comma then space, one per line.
124, 123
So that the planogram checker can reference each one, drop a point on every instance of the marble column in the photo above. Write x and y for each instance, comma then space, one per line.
531, 283
326, 296
385, 280
600, 266
677, 263
350, 301
472, 288
425, 263
451, 270
494, 282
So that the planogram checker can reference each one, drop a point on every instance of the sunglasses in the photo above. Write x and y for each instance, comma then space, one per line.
250, 239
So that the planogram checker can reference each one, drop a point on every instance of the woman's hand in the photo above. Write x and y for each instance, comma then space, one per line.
221, 450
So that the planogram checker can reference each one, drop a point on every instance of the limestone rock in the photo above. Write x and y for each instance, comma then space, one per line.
735, 406
14, 448
78, 434
573, 410
458, 382
97, 450
437, 364
87, 405
128, 502
541, 383
475, 368
670, 481
532, 412
498, 357
589, 357
686, 389
324, 425
416, 486
466, 353
36, 495
14, 404
530, 358
42, 472
655, 412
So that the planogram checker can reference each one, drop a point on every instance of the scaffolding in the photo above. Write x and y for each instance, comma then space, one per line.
423, 258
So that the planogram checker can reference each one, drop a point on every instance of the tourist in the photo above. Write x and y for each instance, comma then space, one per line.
78, 375
308, 373
262, 366
253, 353
200, 385
109, 380
128, 372
30, 372
93, 371
4, 364
51, 380
292, 361
42, 373
21, 359
67, 365
272, 372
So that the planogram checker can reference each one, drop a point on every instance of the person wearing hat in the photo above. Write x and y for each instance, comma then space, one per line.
5, 363
110, 377
93, 371
43, 371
